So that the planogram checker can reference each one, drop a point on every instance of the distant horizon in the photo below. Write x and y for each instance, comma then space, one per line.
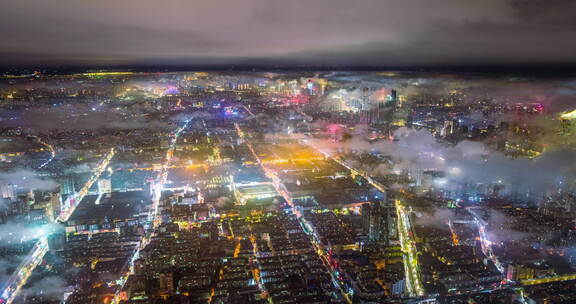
560, 70
319, 33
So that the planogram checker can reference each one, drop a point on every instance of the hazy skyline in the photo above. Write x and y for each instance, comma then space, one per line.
318, 32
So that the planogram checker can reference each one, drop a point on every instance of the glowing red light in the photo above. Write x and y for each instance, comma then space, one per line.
298, 99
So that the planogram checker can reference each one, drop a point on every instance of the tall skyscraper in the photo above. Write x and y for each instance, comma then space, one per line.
366, 215
393, 97
381, 222
6, 190
104, 185
166, 281
55, 206
67, 186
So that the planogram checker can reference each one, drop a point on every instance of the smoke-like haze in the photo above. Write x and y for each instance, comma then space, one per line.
26, 179
51, 287
17, 231
82, 117
468, 162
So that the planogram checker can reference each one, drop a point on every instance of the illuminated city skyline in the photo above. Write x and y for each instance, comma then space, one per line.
288, 152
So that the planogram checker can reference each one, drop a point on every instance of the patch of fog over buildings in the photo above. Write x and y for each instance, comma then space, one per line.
502, 230
555, 94
18, 234
466, 163
50, 287
18, 230
472, 162
84, 117
7, 266
195, 116
26, 179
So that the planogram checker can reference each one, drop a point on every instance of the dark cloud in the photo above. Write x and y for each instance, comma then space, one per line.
388, 32
547, 12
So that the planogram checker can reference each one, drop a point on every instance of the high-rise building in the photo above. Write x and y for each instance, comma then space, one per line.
366, 214
166, 283
57, 241
22, 205
67, 187
377, 223
104, 186
398, 288
55, 206
310, 87
365, 107
381, 222
6, 190
447, 129
376, 107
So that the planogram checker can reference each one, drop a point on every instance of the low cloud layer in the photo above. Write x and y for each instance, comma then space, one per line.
25, 179
386, 32
468, 162
82, 117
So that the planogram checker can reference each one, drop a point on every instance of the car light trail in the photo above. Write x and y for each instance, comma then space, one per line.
279, 186
49, 148
24, 270
484, 242
410, 252
410, 256
34, 258
153, 219
74, 200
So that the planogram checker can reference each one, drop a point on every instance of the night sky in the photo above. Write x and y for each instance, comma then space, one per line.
310, 32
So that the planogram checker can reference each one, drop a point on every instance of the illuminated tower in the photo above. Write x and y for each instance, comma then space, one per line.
55, 206
364, 107
166, 281
310, 87
380, 222
366, 214
447, 129
393, 97
67, 187
104, 186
